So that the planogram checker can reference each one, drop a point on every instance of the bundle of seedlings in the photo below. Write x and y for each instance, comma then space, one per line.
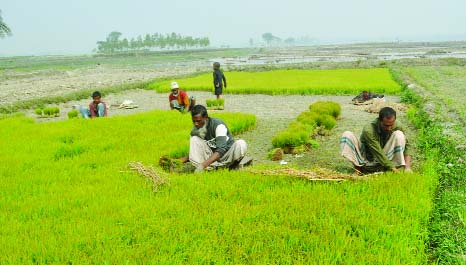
47, 112
73, 114
300, 134
215, 104
296, 137
275, 154
326, 107
174, 165
156, 178
169, 164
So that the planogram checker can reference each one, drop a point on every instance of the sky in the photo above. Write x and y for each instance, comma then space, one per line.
54, 27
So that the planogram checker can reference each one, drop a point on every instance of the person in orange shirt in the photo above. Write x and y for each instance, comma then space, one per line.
179, 99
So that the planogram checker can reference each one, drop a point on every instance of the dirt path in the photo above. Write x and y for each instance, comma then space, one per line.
16, 86
273, 113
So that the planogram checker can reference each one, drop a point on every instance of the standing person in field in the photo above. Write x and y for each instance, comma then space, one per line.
219, 80
382, 146
211, 144
97, 108
179, 99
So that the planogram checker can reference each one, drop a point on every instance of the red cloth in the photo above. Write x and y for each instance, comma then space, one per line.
182, 98
93, 109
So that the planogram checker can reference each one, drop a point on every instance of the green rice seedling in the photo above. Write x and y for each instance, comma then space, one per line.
308, 117
60, 203
242, 125
298, 136
39, 111
179, 152
210, 102
312, 144
290, 138
300, 126
275, 154
56, 111
69, 151
326, 121
72, 114
170, 164
326, 107
300, 82
215, 103
48, 111
51, 111
299, 149
11, 115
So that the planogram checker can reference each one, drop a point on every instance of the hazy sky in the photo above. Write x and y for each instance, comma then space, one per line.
74, 26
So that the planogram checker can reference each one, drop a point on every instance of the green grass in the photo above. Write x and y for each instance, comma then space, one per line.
337, 81
446, 83
440, 143
66, 196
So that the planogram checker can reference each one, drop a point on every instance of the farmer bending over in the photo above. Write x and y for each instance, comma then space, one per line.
365, 96
97, 108
179, 99
211, 144
382, 146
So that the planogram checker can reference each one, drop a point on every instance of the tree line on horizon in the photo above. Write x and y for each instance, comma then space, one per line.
272, 40
156, 41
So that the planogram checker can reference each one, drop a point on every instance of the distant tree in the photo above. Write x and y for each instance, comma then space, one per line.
148, 42
125, 44
133, 44
204, 42
290, 41
251, 42
139, 42
4, 29
113, 36
268, 37
306, 40
111, 44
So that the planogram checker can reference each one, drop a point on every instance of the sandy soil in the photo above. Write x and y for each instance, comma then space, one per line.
19, 85
16, 86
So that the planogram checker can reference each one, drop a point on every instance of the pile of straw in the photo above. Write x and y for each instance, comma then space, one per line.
158, 179
377, 105
316, 174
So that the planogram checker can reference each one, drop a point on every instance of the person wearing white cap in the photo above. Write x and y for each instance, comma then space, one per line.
179, 99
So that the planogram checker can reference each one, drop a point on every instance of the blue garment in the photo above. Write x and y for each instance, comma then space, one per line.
86, 113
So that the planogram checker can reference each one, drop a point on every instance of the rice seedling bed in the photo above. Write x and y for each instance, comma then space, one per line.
314, 82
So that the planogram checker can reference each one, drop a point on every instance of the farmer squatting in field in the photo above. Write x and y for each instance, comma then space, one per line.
97, 108
382, 145
179, 99
211, 144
